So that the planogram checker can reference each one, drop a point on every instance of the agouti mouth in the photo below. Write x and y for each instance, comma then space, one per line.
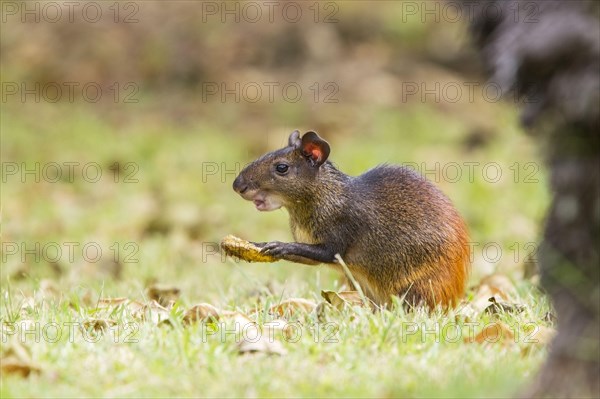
259, 204
262, 201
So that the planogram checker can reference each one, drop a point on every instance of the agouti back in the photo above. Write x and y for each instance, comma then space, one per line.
397, 232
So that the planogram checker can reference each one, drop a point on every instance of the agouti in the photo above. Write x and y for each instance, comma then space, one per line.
397, 233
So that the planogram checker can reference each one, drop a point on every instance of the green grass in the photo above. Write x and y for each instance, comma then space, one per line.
346, 354
174, 214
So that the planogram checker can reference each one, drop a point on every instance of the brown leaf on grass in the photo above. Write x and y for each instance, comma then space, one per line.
16, 360
98, 325
136, 308
104, 309
111, 302
500, 286
262, 345
244, 250
341, 299
291, 306
21, 273
481, 300
209, 313
11, 365
151, 311
254, 341
503, 307
495, 286
239, 319
492, 333
252, 338
279, 325
165, 296
200, 312
323, 310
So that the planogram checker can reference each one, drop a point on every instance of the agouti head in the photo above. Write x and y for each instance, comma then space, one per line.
285, 175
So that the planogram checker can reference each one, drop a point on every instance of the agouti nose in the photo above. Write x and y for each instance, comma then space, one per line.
239, 185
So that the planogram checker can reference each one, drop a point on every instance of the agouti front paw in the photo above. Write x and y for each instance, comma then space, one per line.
275, 248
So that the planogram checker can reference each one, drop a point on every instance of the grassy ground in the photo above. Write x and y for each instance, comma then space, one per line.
157, 218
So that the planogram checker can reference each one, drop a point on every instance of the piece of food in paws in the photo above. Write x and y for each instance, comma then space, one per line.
244, 250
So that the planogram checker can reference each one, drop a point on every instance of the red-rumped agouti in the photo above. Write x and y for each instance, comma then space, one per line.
397, 232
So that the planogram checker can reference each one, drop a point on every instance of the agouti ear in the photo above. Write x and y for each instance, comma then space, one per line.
294, 139
315, 148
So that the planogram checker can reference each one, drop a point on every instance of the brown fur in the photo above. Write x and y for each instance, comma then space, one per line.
398, 234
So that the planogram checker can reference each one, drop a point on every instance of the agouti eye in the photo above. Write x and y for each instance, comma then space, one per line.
281, 168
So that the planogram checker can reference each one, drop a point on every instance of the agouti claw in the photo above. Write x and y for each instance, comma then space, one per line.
274, 248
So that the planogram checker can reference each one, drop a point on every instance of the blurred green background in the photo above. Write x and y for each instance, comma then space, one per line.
168, 145
159, 121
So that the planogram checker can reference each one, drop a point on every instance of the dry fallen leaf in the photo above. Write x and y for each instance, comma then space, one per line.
200, 312
492, 333
500, 285
109, 302
503, 307
151, 311
11, 365
271, 327
135, 307
207, 312
343, 298
495, 286
262, 345
244, 250
291, 306
238, 318
16, 360
323, 310
99, 325
252, 338
165, 296
254, 341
